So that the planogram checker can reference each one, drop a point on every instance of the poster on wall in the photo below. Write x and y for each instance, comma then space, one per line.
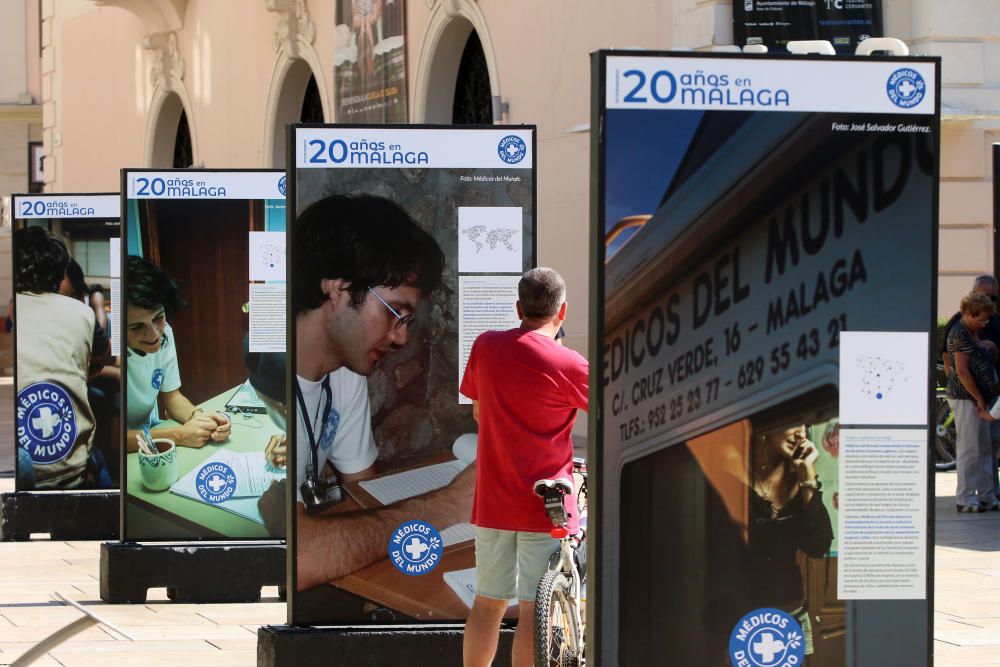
774, 23
369, 71
404, 245
203, 256
65, 361
743, 233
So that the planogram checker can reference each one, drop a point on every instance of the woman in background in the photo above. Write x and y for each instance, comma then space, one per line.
972, 385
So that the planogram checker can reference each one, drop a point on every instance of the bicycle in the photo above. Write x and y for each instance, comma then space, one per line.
559, 632
944, 433
944, 427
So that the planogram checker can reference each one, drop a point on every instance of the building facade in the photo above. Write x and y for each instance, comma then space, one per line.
20, 126
160, 83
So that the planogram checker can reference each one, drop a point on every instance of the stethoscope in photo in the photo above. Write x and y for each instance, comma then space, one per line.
317, 494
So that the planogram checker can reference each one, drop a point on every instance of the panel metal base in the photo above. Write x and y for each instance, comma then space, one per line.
348, 646
191, 572
64, 515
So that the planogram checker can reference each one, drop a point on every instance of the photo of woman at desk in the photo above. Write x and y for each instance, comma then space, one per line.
153, 374
196, 427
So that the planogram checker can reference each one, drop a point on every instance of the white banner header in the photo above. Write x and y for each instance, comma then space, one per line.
67, 206
760, 84
206, 185
392, 148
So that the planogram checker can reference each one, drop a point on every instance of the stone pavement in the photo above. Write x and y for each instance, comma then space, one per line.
967, 583
165, 633
967, 615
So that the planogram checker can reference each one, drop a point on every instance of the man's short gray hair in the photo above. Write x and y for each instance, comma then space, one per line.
985, 279
541, 292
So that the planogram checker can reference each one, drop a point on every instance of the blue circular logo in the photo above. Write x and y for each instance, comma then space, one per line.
767, 638
906, 88
157, 379
511, 149
215, 483
415, 548
282, 186
46, 422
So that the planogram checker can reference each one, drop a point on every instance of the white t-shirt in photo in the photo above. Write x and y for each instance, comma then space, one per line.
148, 375
346, 441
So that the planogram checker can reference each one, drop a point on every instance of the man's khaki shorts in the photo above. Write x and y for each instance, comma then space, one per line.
511, 563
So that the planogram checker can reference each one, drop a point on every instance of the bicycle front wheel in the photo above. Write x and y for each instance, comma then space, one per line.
555, 623
944, 436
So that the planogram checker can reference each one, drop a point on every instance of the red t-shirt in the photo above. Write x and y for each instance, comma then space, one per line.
529, 388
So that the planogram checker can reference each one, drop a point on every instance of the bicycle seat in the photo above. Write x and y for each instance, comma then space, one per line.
560, 484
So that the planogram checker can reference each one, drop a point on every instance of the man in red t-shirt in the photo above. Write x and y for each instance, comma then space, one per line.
525, 390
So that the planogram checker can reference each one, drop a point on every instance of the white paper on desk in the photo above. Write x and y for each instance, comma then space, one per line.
460, 532
253, 475
463, 582
393, 488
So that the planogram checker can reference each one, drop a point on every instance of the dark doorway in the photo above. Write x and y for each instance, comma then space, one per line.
312, 105
473, 96
209, 331
183, 153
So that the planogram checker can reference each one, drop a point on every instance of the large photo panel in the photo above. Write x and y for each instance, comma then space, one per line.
404, 245
67, 365
754, 216
203, 271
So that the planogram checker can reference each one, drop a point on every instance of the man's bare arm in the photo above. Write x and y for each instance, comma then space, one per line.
333, 544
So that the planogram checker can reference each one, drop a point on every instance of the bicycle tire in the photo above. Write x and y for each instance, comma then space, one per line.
944, 436
555, 630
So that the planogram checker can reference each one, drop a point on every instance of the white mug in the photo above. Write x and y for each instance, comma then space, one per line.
159, 471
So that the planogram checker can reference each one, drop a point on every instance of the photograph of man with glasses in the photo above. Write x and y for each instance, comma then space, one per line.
361, 267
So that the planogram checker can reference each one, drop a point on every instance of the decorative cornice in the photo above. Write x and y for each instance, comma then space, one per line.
168, 64
452, 8
158, 15
295, 27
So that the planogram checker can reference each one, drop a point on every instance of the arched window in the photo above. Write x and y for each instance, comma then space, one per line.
170, 140
295, 98
312, 105
473, 103
183, 153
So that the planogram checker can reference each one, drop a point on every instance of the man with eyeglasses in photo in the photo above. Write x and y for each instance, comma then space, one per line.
362, 268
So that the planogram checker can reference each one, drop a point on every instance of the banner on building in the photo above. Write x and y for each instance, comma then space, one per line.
405, 244
203, 273
369, 72
774, 23
753, 216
